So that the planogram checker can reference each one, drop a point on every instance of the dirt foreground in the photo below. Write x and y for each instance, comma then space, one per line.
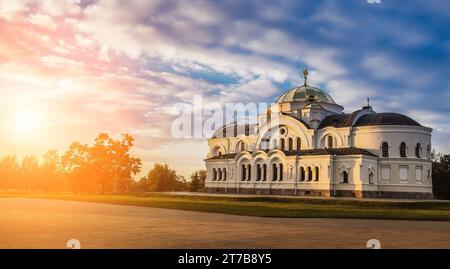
41, 223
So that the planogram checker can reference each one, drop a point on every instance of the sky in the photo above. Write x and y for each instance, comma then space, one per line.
72, 69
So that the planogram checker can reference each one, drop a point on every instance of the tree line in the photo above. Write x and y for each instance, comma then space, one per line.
441, 176
106, 166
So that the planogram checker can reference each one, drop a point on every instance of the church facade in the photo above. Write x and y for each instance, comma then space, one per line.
305, 145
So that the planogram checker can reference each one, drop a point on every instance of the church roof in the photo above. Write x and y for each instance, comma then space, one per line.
298, 119
385, 119
338, 120
305, 93
345, 120
223, 156
233, 130
307, 152
331, 151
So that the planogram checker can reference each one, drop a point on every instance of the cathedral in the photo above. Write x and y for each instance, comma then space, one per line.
304, 145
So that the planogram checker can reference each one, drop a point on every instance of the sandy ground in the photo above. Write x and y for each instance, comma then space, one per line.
40, 223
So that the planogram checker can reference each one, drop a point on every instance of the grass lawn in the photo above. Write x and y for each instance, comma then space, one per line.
267, 206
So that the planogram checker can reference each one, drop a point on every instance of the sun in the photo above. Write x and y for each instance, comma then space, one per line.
27, 122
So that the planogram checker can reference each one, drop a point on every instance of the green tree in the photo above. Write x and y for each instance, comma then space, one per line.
139, 186
163, 178
197, 182
441, 176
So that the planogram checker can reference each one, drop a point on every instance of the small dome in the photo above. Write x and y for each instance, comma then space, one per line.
305, 93
385, 119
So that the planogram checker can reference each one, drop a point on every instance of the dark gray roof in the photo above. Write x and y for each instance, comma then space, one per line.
298, 119
385, 119
331, 151
345, 120
223, 156
338, 121
229, 130
307, 152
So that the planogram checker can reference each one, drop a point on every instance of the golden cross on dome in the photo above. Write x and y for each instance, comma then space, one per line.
305, 75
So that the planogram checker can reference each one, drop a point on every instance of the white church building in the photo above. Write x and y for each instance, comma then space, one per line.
305, 145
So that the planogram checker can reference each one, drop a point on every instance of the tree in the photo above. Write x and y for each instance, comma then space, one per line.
9, 169
139, 186
198, 180
163, 178
76, 163
106, 166
441, 176
30, 172
51, 175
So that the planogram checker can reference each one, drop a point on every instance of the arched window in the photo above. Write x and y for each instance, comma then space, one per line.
330, 141
309, 173
274, 172
302, 174
344, 177
219, 177
290, 143
282, 144
429, 151
281, 172
249, 172
243, 172
224, 174
418, 150
274, 143
385, 149
264, 173
299, 143
403, 149
371, 177
269, 115
317, 173
214, 174
258, 172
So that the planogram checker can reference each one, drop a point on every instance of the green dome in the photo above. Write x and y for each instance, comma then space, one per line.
305, 93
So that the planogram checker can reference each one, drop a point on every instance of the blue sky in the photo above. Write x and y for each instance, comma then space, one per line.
120, 67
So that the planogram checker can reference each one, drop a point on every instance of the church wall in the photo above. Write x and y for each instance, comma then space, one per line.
357, 167
371, 137
340, 137
294, 129
412, 180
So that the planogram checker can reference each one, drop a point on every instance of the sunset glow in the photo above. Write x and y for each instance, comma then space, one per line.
27, 122
72, 69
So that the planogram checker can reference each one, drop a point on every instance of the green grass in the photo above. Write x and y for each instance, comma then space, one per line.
268, 206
